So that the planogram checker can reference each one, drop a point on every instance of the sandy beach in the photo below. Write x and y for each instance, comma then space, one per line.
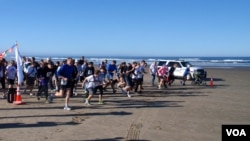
178, 113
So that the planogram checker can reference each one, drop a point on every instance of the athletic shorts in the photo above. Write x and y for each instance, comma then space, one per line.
67, 86
128, 81
110, 76
11, 81
94, 90
30, 81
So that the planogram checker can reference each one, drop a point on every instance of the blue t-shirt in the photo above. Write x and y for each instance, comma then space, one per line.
111, 68
66, 71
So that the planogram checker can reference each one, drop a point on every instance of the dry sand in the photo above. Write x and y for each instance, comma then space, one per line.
179, 113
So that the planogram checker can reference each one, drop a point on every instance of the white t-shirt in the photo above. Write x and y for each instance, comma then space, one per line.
153, 69
92, 81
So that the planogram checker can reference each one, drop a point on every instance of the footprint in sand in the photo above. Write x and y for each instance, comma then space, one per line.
79, 119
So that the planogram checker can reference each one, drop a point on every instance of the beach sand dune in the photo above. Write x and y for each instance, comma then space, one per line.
190, 113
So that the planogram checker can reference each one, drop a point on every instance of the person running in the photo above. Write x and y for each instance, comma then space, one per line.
65, 74
50, 74
142, 67
111, 71
162, 71
37, 66
2, 75
122, 71
11, 72
171, 77
93, 83
185, 75
82, 70
74, 79
89, 70
138, 78
55, 77
26, 64
57, 82
43, 80
77, 78
128, 79
30, 78
153, 72
102, 76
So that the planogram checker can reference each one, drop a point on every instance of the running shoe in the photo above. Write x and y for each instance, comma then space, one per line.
128, 94
67, 108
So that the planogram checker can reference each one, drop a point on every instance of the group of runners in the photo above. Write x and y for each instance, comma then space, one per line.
61, 79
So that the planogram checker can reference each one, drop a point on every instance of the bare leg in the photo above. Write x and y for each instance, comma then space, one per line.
68, 92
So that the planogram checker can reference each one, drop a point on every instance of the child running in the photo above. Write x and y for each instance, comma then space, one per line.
93, 84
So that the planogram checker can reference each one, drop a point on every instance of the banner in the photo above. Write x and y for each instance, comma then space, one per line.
10, 50
20, 75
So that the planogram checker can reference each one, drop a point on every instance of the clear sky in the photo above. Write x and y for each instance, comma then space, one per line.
126, 27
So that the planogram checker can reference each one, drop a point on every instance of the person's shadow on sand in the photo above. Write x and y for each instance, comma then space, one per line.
38, 124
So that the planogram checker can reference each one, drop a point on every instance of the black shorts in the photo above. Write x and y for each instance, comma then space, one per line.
128, 81
30, 81
11, 81
2, 80
67, 86
171, 77
81, 78
139, 81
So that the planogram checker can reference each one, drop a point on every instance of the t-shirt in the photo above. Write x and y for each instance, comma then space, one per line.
102, 76
89, 71
11, 72
138, 73
187, 70
26, 66
128, 68
83, 67
66, 71
42, 72
171, 71
153, 69
32, 71
111, 68
92, 81
162, 71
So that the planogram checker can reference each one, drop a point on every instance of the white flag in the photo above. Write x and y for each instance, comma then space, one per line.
19, 66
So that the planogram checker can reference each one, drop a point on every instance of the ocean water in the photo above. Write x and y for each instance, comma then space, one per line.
206, 62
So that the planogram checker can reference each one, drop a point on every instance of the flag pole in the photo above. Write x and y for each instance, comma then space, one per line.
18, 99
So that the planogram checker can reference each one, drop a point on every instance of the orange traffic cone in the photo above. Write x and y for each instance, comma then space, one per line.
18, 98
211, 82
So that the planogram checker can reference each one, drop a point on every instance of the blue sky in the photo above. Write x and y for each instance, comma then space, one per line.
126, 27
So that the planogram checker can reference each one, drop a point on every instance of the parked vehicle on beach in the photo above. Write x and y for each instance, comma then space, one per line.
181, 68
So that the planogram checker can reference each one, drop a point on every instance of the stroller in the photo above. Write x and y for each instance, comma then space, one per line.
199, 77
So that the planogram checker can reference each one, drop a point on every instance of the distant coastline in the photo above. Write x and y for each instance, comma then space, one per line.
209, 62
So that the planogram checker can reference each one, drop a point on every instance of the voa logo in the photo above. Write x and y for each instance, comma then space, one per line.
236, 132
